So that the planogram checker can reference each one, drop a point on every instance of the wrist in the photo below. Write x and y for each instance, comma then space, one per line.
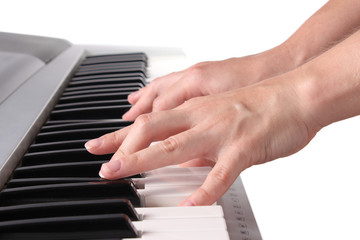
273, 62
329, 91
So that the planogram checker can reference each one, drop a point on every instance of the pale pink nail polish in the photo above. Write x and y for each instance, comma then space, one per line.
124, 116
134, 94
113, 165
187, 203
94, 143
100, 174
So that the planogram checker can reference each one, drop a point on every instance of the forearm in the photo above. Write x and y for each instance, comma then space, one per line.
332, 23
336, 20
330, 84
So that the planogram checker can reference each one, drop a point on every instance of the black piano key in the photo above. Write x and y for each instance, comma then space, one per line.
140, 55
26, 182
85, 169
103, 103
117, 189
112, 65
115, 58
97, 227
73, 134
108, 76
70, 169
100, 90
112, 61
85, 125
48, 122
68, 208
97, 81
63, 145
32, 181
104, 112
61, 156
103, 86
110, 70
94, 97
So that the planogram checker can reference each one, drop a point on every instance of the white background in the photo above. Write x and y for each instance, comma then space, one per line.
313, 194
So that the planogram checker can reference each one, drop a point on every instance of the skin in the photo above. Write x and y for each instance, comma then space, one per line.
253, 110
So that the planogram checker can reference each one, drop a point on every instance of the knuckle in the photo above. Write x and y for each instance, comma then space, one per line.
143, 121
197, 71
135, 159
131, 164
158, 80
158, 104
120, 153
205, 196
170, 144
247, 153
117, 135
112, 138
221, 175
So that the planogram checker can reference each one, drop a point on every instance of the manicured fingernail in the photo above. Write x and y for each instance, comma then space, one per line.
124, 116
94, 143
134, 94
100, 174
187, 203
111, 167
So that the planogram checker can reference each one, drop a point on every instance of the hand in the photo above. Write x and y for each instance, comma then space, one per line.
233, 130
204, 79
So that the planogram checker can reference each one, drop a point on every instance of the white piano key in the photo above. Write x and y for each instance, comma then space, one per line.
166, 196
203, 235
163, 180
179, 225
180, 212
176, 170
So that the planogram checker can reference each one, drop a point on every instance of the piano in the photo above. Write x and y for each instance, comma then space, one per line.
54, 96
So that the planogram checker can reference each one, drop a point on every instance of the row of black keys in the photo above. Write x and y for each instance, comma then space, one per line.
56, 193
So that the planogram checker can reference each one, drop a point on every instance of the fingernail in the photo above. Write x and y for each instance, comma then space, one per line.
100, 174
124, 116
187, 203
112, 166
94, 143
134, 94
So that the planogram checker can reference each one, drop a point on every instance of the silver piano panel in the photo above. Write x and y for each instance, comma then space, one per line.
26, 109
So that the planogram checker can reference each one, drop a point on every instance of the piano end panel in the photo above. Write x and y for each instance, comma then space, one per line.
25, 110
240, 220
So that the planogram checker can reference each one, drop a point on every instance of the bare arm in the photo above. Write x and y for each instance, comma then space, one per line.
332, 23
331, 91
335, 21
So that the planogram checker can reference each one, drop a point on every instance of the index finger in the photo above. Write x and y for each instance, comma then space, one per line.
107, 143
174, 150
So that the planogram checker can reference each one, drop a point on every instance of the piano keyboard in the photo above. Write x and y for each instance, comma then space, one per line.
55, 192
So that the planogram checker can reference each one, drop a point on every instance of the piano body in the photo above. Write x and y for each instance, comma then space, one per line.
54, 96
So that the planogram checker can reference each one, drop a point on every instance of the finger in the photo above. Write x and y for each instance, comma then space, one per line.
219, 180
198, 162
174, 150
143, 105
175, 95
135, 96
107, 143
144, 98
152, 127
